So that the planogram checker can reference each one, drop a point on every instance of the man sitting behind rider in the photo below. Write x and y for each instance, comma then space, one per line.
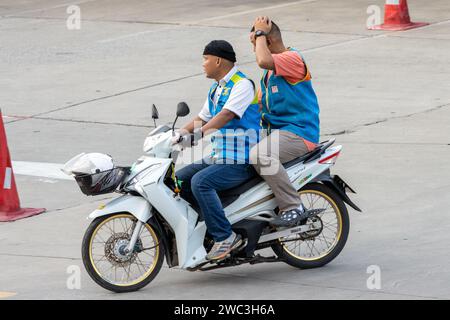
232, 110
290, 113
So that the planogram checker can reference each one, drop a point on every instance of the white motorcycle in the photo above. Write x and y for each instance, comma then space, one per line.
125, 245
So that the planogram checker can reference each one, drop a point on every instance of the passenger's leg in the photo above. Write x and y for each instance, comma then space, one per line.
267, 158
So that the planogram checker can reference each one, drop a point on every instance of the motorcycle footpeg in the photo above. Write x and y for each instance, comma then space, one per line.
241, 246
314, 212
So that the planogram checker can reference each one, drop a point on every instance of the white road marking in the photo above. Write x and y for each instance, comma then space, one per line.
48, 8
431, 25
205, 20
15, 117
260, 9
52, 181
40, 169
134, 35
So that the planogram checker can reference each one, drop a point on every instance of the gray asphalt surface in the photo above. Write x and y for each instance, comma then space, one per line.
384, 96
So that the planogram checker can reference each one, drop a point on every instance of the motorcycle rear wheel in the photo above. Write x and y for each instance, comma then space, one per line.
306, 251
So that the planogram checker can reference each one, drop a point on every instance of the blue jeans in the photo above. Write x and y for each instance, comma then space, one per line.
200, 183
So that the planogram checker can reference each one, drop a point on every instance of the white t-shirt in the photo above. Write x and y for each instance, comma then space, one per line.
241, 95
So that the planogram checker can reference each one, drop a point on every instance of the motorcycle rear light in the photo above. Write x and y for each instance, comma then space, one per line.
330, 159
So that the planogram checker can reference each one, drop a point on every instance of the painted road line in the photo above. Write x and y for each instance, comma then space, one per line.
126, 36
4, 295
196, 22
48, 8
40, 169
11, 116
264, 9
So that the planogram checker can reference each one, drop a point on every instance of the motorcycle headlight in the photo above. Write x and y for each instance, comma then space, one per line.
150, 142
141, 175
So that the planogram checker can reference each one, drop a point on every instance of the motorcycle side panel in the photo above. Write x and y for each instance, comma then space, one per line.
176, 211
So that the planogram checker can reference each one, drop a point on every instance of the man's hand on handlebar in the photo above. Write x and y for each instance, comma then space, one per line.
187, 139
177, 137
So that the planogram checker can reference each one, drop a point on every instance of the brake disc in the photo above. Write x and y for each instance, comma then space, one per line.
115, 249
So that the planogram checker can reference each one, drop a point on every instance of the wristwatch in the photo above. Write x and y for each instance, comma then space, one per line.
259, 33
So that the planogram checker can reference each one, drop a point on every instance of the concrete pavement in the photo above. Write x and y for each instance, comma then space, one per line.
383, 96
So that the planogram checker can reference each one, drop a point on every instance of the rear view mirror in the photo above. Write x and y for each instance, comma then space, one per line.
155, 114
182, 109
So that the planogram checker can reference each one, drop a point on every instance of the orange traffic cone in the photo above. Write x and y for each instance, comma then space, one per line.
9, 199
396, 17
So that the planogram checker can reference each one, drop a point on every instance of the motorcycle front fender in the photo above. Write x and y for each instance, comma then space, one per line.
135, 205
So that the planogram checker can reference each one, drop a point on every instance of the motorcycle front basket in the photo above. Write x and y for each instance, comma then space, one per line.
102, 182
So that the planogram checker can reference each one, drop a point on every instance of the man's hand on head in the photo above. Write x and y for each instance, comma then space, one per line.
261, 44
263, 24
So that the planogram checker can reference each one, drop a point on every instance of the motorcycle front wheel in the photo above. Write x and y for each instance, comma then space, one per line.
318, 247
105, 260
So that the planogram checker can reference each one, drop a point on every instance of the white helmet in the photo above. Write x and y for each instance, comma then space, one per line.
89, 163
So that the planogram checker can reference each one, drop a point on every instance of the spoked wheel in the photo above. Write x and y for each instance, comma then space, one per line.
327, 238
105, 258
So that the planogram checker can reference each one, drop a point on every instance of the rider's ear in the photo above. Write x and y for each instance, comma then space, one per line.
218, 61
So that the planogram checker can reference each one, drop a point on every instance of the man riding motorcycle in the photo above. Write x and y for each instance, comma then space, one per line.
230, 108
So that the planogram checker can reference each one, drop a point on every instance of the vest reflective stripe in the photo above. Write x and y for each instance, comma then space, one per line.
290, 106
232, 143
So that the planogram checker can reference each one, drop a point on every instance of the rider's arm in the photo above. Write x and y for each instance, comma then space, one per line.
200, 120
288, 64
220, 120
195, 123
264, 57
240, 98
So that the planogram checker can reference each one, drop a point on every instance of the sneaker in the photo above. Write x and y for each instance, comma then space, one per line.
221, 249
292, 217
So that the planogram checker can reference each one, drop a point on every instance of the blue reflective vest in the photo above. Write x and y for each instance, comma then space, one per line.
290, 106
232, 143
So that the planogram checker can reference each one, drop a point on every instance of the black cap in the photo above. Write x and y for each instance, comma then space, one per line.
220, 48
